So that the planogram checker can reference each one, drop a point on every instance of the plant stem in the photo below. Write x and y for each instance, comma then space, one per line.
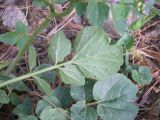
2, 84
27, 44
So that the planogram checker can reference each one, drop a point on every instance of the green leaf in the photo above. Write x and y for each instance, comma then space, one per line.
83, 92
81, 8
46, 102
21, 28
126, 40
59, 47
30, 117
53, 114
14, 99
20, 86
143, 75
71, 75
115, 104
49, 76
23, 109
79, 111
60, 1
140, 22
32, 57
4, 98
120, 12
63, 95
94, 56
97, 12
9, 38
43, 85
39, 3
3, 64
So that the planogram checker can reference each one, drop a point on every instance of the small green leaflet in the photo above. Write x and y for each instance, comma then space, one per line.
53, 114
63, 95
83, 92
4, 98
32, 58
14, 99
115, 104
39, 3
79, 111
71, 75
46, 102
59, 47
23, 109
143, 75
17, 37
120, 12
43, 85
97, 12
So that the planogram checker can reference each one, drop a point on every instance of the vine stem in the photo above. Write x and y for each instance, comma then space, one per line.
2, 84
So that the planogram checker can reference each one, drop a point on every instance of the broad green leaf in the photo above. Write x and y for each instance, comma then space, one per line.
32, 57
23, 109
53, 114
97, 12
59, 47
79, 111
94, 56
43, 85
63, 95
4, 98
126, 40
19, 86
14, 99
21, 28
120, 12
70, 74
48, 76
3, 64
143, 75
30, 117
9, 38
83, 92
39, 3
80, 8
115, 104
46, 102
60, 1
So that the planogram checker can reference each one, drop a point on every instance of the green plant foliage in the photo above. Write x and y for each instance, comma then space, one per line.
32, 58
143, 75
80, 111
3, 64
59, 47
97, 12
30, 117
23, 109
71, 75
39, 3
48, 76
14, 99
43, 86
126, 40
63, 95
81, 8
47, 102
116, 103
17, 37
119, 13
53, 114
4, 97
81, 93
